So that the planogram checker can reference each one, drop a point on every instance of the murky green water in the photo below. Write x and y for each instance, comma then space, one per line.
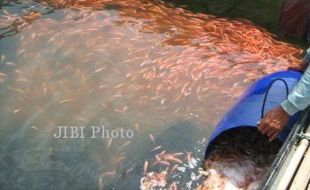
143, 66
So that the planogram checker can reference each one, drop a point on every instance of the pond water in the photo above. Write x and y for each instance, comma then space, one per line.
161, 73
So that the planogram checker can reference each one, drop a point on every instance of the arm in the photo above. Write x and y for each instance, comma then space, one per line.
275, 120
299, 98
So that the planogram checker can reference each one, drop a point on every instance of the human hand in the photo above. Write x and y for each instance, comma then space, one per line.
273, 122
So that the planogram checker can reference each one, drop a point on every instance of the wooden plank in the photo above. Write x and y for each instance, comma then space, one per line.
302, 176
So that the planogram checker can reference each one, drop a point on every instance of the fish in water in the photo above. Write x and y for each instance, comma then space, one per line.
145, 60
153, 180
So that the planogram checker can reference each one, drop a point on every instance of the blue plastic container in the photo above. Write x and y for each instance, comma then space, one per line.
248, 110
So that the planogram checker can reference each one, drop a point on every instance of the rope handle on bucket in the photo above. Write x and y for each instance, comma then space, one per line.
267, 92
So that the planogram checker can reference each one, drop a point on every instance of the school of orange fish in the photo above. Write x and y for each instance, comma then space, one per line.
137, 59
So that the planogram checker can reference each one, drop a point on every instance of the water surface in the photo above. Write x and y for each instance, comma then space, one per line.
161, 71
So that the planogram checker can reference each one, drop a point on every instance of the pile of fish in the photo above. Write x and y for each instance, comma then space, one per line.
239, 160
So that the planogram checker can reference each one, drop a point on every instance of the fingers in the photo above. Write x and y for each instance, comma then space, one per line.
261, 126
266, 130
270, 132
264, 126
273, 136
269, 128
276, 129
